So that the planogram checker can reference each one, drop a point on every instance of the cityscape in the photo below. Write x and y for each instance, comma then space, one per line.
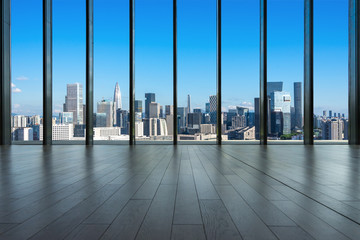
155, 122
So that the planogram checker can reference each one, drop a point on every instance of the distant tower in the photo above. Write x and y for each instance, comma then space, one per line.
149, 98
213, 108
117, 97
74, 102
188, 104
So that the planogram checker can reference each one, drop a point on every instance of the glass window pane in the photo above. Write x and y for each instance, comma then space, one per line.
26, 70
69, 52
153, 76
240, 69
197, 101
331, 70
285, 69
111, 70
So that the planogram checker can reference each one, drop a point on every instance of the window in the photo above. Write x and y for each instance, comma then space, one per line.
26, 82
154, 75
285, 69
240, 69
331, 70
69, 46
111, 70
197, 101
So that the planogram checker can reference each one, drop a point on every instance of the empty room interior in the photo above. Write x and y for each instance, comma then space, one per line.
180, 119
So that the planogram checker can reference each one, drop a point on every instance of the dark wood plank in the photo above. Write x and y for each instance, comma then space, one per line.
87, 232
217, 221
271, 215
247, 222
127, 224
188, 232
187, 210
293, 233
311, 224
158, 221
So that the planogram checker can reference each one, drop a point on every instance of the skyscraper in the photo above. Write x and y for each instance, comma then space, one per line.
207, 107
74, 102
169, 110
117, 97
281, 102
149, 98
213, 108
274, 87
188, 103
109, 109
154, 110
138, 106
297, 104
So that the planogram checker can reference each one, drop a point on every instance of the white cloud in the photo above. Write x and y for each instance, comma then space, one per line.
13, 85
22, 78
16, 105
16, 90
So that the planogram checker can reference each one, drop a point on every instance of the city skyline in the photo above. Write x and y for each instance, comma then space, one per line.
156, 122
197, 55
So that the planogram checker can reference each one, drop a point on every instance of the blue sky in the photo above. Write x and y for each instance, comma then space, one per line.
196, 50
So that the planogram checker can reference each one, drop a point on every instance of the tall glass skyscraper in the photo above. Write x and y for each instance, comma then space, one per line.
74, 102
117, 97
149, 98
281, 102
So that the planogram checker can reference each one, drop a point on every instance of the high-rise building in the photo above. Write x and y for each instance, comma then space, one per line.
194, 120
207, 107
38, 132
154, 110
79, 130
117, 97
330, 113
238, 121
23, 134
169, 110
324, 113
66, 118
149, 98
139, 129
298, 104
274, 87
150, 127
108, 108
100, 119
213, 108
74, 102
161, 115
169, 123
181, 117
332, 129
281, 102
162, 129
18, 121
138, 110
122, 120
138, 106
62, 132
35, 120
188, 104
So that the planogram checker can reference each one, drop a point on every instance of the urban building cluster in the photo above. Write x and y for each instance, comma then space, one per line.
155, 122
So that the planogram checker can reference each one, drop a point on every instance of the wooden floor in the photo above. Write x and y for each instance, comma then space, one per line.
184, 192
